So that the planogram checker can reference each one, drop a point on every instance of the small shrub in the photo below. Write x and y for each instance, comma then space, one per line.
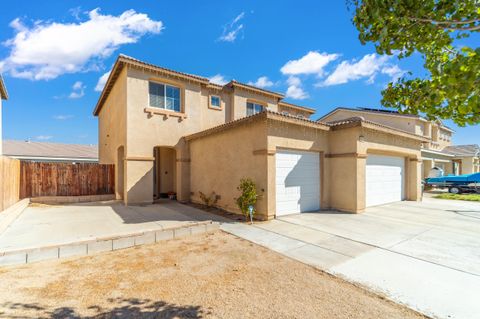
210, 200
248, 197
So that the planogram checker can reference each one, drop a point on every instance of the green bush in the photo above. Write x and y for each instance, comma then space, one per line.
248, 197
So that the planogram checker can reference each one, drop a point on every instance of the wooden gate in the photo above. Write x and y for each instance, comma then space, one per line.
65, 179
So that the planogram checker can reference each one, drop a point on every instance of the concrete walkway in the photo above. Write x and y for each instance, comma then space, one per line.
46, 225
425, 255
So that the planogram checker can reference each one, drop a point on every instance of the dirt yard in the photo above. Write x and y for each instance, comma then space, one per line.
208, 276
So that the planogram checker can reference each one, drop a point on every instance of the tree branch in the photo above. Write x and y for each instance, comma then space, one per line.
473, 28
450, 22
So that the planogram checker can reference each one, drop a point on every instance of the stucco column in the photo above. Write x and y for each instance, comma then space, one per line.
427, 166
269, 194
414, 179
183, 179
139, 180
183, 171
347, 182
1, 145
361, 190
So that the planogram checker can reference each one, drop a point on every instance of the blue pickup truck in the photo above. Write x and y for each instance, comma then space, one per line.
456, 184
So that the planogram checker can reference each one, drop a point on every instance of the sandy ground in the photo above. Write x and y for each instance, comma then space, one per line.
207, 276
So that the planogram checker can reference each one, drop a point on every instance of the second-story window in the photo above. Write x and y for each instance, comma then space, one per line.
254, 108
164, 96
215, 101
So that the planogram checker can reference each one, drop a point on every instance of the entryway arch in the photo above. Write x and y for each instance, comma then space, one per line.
164, 171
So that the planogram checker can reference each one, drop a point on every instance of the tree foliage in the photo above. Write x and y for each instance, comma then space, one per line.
435, 29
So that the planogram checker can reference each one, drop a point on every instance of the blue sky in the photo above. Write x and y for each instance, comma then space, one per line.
54, 53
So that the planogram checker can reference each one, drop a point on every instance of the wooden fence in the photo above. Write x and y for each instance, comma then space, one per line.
9, 182
65, 179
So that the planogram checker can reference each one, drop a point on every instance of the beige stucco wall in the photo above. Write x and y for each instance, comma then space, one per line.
290, 136
374, 142
112, 123
346, 171
250, 151
431, 160
219, 161
349, 149
146, 131
1, 128
402, 123
467, 165
240, 98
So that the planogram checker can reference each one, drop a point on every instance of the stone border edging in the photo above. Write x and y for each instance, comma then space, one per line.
103, 244
58, 200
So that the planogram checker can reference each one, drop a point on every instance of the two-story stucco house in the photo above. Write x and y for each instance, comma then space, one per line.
3, 96
168, 131
437, 152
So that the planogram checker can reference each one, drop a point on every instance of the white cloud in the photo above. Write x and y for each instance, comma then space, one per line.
218, 79
43, 137
262, 82
393, 71
367, 67
232, 29
48, 49
75, 12
295, 90
62, 117
102, 81
311, 63
78, 90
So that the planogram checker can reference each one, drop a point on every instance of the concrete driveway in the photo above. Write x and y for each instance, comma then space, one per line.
425, 255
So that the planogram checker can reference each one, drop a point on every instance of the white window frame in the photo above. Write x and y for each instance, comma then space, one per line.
165, 85
262, 106
219, 107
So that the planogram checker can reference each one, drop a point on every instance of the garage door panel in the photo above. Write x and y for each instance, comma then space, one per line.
384, 179
297, 182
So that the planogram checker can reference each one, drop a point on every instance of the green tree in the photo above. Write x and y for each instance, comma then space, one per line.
435, 29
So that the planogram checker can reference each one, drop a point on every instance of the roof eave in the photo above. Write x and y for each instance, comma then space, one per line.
247, 87
124, 60
3, 89
303, 108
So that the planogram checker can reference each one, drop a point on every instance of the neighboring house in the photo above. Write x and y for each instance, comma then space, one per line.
466, 158
168, 131
50, 152
437, 152
3, 96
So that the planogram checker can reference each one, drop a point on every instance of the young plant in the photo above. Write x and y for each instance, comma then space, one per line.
248, 197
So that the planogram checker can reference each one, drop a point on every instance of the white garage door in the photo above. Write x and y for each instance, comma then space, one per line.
297, 182
384, 178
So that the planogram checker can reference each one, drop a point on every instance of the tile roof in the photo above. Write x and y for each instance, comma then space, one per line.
49, 150
125, 59
252, 87
359, 120
265, 114
463, 150
268, 114
193, 76
381, 111
307, 109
